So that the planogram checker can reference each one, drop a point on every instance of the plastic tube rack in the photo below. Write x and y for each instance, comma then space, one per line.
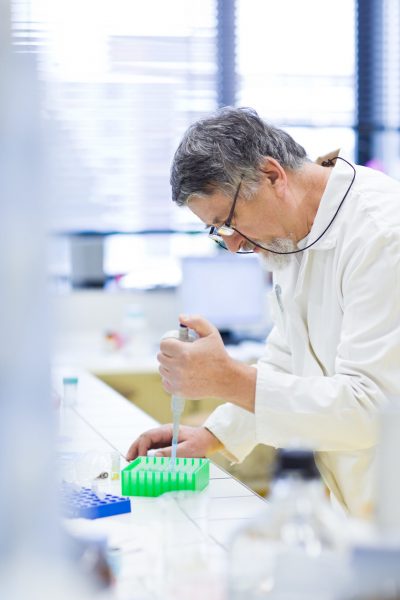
152, 476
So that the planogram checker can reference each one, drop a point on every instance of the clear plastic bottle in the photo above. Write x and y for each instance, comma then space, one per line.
135, 331
68, 403
292, 550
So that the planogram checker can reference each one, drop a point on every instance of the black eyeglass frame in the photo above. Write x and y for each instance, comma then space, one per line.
215, 230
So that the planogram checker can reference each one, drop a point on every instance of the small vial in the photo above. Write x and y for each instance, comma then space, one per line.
70, 397
96, 489
114, 559
115, 466
68, 403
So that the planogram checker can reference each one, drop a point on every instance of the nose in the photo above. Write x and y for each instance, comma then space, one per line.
233, 242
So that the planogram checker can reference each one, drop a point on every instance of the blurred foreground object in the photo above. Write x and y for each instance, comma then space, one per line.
33, 551
293, 549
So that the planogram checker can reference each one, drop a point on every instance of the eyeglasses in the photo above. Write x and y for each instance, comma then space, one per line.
216, 231
226, 229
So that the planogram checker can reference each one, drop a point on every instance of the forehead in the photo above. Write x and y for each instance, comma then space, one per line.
213, 209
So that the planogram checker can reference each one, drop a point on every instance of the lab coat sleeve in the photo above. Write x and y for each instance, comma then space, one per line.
338, 412
236, 427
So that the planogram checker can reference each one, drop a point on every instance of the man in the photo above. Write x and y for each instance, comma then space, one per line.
331, 234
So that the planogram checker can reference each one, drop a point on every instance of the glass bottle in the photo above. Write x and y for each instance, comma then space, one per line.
293, 549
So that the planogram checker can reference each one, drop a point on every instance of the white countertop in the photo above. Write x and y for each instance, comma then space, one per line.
170, 546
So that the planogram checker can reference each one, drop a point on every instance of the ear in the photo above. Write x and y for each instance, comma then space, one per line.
274, 172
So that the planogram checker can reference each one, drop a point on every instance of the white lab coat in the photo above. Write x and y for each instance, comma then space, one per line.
333, 356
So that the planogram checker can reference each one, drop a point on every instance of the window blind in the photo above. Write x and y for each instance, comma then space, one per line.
378, 84
121, 81
296, 66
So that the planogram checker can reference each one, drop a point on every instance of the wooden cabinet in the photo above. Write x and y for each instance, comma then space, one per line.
146, 392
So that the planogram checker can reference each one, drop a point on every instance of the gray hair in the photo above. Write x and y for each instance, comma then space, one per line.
220, 150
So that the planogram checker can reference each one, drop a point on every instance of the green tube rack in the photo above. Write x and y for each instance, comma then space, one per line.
152, 475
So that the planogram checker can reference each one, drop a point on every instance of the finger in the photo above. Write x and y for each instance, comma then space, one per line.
167, 385
144, 445
165, 360
201, 326
163, 371
170, 347
132, 452
155, 438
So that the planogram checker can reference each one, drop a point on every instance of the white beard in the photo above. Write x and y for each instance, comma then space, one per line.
277, 262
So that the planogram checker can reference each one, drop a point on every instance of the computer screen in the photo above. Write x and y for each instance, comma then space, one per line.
228, 290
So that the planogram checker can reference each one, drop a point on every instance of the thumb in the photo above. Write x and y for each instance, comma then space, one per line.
183, 450
200, 325
168, 451
163, 452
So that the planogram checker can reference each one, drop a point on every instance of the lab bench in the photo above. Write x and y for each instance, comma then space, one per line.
168, 545
135, 376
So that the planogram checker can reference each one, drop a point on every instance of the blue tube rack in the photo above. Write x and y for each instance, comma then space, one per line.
83, 503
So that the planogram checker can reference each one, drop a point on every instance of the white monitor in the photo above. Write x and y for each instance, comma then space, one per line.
228, 290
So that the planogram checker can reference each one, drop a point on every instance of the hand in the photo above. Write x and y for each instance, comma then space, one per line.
192, 442
198, 369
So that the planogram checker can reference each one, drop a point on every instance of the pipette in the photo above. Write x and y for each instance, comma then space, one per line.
177, 405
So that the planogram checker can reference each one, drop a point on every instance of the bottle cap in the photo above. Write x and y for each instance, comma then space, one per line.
300, 461
70, 380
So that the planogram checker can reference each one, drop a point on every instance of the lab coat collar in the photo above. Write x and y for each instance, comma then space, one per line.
338, 183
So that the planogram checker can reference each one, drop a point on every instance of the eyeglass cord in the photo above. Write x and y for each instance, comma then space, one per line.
325, 163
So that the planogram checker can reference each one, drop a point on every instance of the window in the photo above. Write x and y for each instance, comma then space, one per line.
122, 80
378, 85
296, 64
